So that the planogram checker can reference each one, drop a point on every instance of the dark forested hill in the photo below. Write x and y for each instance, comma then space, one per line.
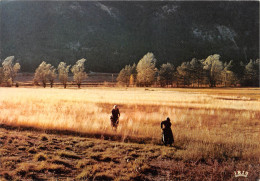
112, 34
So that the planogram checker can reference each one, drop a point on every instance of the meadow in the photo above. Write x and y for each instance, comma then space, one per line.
209, 125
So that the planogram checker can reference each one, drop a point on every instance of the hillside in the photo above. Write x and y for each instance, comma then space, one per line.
112, 34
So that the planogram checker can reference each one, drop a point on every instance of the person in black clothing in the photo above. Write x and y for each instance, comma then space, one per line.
167, 136
115, 117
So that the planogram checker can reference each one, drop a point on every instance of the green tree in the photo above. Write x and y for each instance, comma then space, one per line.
196, 71
239, 71
63, 70
166, 74
78, 72
10, 70
146, 70
42, 73
184, 74
213, 67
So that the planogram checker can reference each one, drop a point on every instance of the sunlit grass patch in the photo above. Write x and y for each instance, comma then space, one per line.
202, 119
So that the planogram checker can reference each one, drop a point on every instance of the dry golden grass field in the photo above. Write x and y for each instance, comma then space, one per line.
52, 133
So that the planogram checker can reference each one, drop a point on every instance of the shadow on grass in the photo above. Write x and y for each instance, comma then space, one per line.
105, 136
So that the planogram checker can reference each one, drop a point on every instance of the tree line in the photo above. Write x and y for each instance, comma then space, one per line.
209, 72
45, 73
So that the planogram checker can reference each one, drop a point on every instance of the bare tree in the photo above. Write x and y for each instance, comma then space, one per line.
252, 73
228, 76
63, 70
213, 67
41, 73
10, 70
52, 75
78, 72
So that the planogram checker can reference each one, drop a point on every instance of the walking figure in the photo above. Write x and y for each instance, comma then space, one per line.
115, 117
167, 136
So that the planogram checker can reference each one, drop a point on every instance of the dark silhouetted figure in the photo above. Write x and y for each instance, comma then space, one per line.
115, 117
167, 136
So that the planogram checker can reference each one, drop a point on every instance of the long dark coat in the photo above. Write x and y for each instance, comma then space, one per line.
167, 136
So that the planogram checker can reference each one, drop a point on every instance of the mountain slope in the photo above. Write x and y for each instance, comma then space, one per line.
112, 34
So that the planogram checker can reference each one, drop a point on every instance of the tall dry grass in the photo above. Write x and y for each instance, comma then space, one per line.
207, 124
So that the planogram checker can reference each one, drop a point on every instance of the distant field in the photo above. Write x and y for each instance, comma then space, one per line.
208, 124
94, 78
